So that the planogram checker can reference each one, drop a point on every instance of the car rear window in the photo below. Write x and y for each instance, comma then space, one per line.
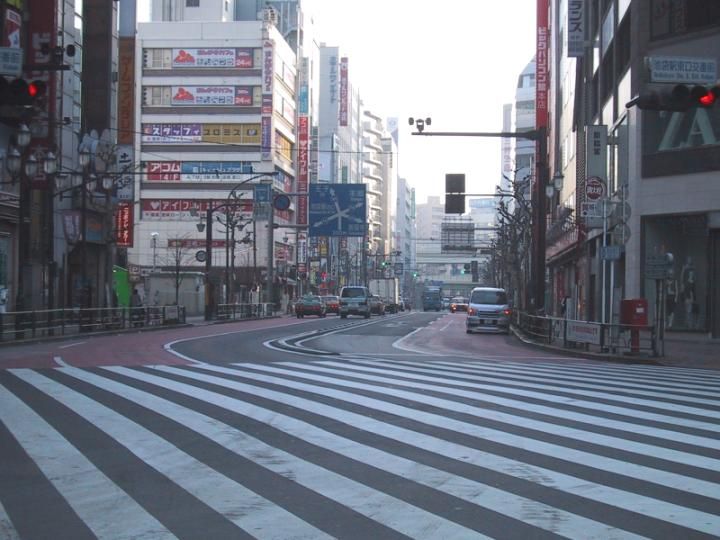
354, 292
489, 297
330, 298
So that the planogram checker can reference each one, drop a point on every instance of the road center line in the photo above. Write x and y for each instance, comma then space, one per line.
72, 344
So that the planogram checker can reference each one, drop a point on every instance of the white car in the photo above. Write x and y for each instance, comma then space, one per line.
488, 311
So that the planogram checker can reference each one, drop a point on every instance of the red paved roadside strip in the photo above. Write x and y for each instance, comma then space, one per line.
122, 349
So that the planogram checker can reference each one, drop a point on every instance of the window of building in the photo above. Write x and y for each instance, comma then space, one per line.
192, 3
676, 17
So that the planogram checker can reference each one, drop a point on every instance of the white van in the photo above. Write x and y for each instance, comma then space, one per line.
488, 311
355, 300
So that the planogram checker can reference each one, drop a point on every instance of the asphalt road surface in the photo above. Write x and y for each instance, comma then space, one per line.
402, 426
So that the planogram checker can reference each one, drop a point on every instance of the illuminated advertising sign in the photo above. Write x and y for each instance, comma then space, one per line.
163, 171
204, 95
302, 173
344, 91
231, 133
180, 209
124, 225
171, 133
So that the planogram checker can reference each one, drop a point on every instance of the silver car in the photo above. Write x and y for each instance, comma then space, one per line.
488, 311
355, 300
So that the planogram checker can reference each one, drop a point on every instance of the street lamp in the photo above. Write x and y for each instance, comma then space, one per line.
555, 185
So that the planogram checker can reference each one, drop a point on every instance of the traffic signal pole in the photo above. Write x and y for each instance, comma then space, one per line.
538, 135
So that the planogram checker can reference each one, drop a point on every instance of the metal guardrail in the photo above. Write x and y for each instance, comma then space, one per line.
28, 325
589, 336
234, 312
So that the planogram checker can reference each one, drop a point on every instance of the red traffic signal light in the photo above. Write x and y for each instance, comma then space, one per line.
706, 97
19, 92
679, 98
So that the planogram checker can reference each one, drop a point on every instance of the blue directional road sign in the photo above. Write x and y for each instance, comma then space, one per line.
337, 210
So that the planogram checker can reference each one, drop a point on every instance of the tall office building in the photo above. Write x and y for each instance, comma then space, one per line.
216, 108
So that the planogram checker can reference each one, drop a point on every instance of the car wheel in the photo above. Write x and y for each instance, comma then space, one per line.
343, 316
298, 315
468, 331
367, 315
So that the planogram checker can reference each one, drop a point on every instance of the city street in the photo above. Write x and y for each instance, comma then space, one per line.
396, 426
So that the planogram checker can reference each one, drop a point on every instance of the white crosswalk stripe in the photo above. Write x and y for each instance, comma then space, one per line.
366, 448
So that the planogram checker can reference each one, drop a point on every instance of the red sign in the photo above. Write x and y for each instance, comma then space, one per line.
124, 225
163, 171
126, 91
302, 176
594, 188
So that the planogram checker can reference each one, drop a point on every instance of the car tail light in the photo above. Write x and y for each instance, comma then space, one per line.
507, 312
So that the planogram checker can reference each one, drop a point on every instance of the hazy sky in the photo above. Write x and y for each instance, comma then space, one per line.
456, 62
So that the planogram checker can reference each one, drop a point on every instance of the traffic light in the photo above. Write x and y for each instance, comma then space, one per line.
454, 193
475, 272
20, 92
678, 98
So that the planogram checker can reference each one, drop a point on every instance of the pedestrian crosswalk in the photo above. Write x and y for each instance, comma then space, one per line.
360, 448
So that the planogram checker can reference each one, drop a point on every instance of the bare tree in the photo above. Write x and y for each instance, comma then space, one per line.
509, 263
233, 219
178, 257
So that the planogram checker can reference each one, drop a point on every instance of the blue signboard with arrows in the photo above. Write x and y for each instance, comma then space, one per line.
337, 210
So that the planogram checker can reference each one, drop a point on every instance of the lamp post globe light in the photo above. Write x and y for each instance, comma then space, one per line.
232, 201
85, 181
24, 164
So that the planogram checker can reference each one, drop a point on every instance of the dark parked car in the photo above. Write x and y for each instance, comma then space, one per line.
310, 305
332, 303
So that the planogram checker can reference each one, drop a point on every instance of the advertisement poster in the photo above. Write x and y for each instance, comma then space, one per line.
11, 30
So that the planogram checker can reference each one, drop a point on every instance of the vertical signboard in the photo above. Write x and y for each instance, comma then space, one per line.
541, 66
302, 177
576, 28
267, 100
126, 163
124, 224
126, 91
344, 91
596, 148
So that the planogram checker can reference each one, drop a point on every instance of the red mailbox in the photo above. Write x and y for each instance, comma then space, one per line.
634, 311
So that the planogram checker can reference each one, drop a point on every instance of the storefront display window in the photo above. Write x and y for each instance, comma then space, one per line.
686, 286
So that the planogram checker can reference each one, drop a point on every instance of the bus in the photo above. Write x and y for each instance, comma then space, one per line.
432, 298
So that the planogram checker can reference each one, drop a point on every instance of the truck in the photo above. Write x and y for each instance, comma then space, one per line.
432, 298
388, 290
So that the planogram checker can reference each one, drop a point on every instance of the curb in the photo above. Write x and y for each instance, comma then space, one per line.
622, 359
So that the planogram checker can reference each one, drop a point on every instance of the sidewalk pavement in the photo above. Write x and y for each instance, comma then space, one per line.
694, 350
